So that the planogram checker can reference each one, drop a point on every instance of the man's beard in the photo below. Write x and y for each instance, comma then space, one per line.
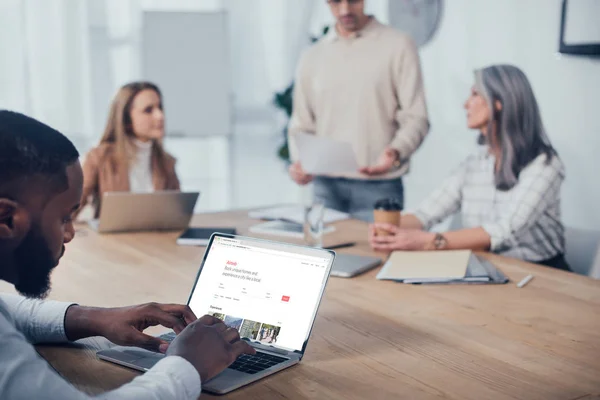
34, 261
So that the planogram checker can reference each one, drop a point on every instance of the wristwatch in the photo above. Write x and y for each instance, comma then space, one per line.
439, 242
397, 163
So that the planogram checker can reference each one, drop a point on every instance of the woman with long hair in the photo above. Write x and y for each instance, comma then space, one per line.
508, 192
130, 155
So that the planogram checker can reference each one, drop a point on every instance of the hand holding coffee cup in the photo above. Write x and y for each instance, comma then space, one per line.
387, 211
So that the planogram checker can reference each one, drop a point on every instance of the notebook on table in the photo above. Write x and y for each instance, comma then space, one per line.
284, 228
451, 266
295, 214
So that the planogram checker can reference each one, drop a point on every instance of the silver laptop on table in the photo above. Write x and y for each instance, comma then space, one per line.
269, 291
128, 212
349, 265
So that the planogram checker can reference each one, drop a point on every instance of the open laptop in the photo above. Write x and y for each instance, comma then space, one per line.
128, 212
349, 265
269, 291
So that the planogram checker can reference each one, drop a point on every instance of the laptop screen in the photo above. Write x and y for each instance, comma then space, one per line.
268, 291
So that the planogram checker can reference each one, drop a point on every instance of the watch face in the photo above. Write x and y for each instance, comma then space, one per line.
440, 241
418, 18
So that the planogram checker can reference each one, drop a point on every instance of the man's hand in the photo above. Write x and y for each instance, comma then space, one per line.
384, 163
298, 175
125, 325
210, 346
399, 239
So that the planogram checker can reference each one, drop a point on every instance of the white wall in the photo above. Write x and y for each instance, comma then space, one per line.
46, 77
476, 33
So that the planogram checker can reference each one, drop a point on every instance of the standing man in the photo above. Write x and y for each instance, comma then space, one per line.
360, 84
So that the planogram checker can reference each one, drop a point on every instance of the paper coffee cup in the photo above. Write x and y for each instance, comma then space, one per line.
387, 211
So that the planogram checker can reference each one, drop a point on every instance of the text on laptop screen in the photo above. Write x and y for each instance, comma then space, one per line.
269, 292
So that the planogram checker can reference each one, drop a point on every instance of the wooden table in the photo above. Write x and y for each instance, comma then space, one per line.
372, 339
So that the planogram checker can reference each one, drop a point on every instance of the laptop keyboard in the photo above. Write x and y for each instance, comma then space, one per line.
245, 363
256, 363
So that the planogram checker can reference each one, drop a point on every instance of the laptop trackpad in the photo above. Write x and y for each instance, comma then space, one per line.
227, 380
132, 357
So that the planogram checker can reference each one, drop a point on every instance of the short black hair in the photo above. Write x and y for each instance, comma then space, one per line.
30, 148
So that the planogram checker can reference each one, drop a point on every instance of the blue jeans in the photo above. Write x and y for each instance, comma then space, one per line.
354, 196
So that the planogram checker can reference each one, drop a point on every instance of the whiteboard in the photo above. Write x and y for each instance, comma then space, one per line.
187, 55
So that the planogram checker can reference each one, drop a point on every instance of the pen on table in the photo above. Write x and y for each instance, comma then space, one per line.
525, 281
339, 246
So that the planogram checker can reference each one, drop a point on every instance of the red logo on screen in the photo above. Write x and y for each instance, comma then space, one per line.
232, 263
285, 298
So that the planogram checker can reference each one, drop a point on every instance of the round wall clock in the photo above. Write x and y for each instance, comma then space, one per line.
418, 18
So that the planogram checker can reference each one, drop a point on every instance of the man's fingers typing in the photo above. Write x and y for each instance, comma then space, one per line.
231, 335
220, 327
147, 342
168, 320
180, 311
209, 320
241, 347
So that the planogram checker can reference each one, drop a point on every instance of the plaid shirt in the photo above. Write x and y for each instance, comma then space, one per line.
523, 222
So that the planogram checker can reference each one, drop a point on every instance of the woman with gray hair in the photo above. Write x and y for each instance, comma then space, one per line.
508, 192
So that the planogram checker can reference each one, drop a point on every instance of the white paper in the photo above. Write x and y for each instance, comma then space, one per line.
322, 156
279, 228
295, 214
